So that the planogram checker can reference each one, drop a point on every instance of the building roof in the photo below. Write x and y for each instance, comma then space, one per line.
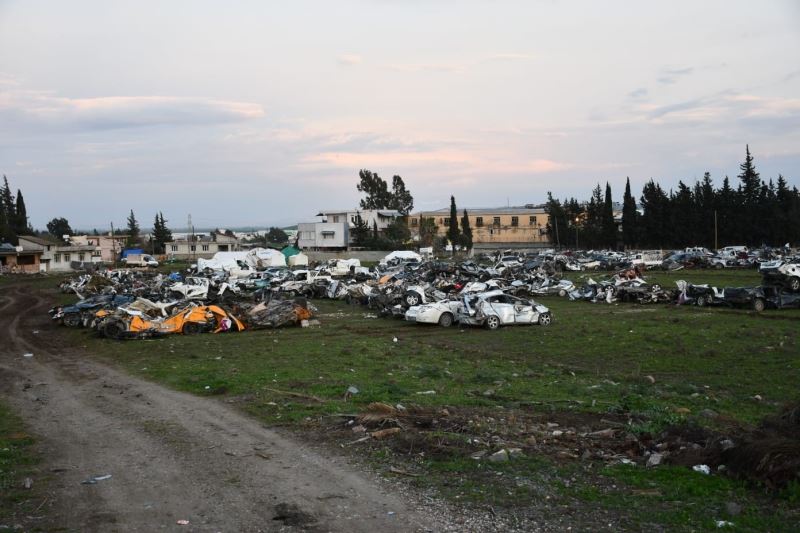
43, 241
517, 210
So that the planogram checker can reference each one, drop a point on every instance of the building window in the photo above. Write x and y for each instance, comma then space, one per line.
496, 221
532, 221
327, 235
174, 247
414, 222
56, 258
447, 221
67, 258
335, 219
193, 248
81, 257
478, 222
205, 247
515, 221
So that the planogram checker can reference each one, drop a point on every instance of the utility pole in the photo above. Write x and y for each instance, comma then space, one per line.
558, 242
113, 246
576, 234
716, 240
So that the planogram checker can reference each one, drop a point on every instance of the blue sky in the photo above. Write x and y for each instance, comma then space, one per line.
261, 113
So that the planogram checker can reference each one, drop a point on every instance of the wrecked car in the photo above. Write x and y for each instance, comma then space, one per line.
130, 323
495, 308
443, 313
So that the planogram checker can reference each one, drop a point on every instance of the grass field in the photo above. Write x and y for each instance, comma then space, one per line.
649, 367
17, 462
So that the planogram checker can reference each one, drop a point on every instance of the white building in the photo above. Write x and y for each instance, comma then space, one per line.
323, 236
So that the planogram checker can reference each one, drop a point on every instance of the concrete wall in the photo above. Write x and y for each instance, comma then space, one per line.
368, 255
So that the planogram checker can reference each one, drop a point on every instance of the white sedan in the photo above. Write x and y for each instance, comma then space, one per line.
495, 308
443, 313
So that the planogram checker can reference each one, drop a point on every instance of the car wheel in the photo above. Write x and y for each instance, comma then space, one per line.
411, 298
758, 305
72, 320
192, 328
492, 322
114, 330
719, 266
794, 284
702, 301
655, 288
446, 320
562, 293
545, 319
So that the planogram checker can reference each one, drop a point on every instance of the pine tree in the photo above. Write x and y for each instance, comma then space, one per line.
466, 231
8, 220
133, 230
21, 226
161, 234
629, 217
453, 233
360, 231
557, 221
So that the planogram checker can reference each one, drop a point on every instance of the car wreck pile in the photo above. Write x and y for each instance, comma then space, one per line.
128, 304
491, 292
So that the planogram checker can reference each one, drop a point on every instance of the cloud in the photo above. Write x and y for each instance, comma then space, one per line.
671, 75
349, 60
508, 57
641, 92
427, 67
115, 112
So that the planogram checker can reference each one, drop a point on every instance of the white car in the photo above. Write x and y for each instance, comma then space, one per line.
495, 308
443, 313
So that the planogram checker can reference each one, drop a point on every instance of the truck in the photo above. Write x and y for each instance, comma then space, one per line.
140, 260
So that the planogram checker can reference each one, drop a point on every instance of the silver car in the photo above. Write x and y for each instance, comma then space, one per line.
495, 308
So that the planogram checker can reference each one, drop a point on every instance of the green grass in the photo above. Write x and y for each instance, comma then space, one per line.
17, 462
595, 358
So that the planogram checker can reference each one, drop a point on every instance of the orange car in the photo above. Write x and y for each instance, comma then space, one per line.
125, 324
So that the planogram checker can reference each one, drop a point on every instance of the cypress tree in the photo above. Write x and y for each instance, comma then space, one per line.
629, 216
608, 226
452, 233
466, 231
21, 215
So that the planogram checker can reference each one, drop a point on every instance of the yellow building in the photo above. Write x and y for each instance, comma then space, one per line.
502, 226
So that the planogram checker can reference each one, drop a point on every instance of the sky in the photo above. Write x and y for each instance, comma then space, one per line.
262, 113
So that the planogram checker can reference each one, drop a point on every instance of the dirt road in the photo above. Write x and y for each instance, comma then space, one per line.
171, 456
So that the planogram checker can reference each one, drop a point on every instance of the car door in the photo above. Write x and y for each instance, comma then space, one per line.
523, 311
503, 308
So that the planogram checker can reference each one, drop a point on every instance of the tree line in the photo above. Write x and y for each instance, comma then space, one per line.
754, 213
13, 215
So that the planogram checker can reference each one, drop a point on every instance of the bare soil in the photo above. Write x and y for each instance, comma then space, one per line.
171, 456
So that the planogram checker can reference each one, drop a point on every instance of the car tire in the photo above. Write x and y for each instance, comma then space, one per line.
562, 293
759, 305
492, 322
411, 299
545, 319
719, 266
192, 328
114, 330
794, 284
655, 288
446, 320
702, 301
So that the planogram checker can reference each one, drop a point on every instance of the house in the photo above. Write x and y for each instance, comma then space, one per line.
511, 227
323, 236
16, 259
382, 218
110, 245
60, 256
203, 246
334, 231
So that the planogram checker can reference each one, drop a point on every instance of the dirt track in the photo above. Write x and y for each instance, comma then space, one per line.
171, 456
